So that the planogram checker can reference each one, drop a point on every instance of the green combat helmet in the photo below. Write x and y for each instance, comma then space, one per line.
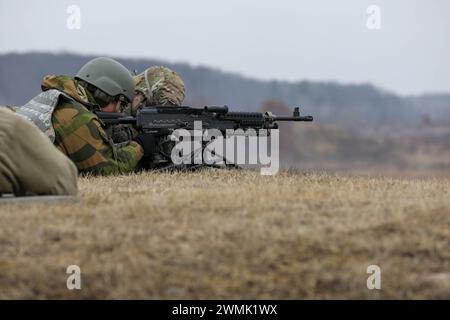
160, 86
109, 76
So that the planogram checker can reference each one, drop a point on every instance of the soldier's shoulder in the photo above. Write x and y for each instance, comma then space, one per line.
69, 111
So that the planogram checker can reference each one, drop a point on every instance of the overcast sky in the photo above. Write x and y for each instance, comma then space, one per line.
325, 40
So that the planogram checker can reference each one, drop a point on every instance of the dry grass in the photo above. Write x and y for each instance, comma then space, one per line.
231, 234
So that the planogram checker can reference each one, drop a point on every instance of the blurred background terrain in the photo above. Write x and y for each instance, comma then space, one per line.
357, 127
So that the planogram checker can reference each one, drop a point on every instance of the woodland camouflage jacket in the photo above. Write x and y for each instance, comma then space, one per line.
79, 133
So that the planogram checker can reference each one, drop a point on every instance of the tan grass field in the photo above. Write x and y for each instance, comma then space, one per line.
232, 235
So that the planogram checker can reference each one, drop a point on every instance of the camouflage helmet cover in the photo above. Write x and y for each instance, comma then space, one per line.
160, 86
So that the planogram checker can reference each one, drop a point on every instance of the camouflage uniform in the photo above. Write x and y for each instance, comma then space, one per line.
160, 86
79, 133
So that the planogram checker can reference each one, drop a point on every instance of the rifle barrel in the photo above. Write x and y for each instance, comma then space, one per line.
305, 118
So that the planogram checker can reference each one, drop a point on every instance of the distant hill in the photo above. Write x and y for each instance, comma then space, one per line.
350, 106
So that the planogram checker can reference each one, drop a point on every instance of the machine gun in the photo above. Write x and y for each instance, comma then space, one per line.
163, 120
153, 119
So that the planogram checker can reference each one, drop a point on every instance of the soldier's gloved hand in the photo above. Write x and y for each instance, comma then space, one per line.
147, 142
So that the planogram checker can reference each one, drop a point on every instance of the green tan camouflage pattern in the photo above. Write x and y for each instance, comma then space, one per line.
160, 86
69, 86
80, 135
